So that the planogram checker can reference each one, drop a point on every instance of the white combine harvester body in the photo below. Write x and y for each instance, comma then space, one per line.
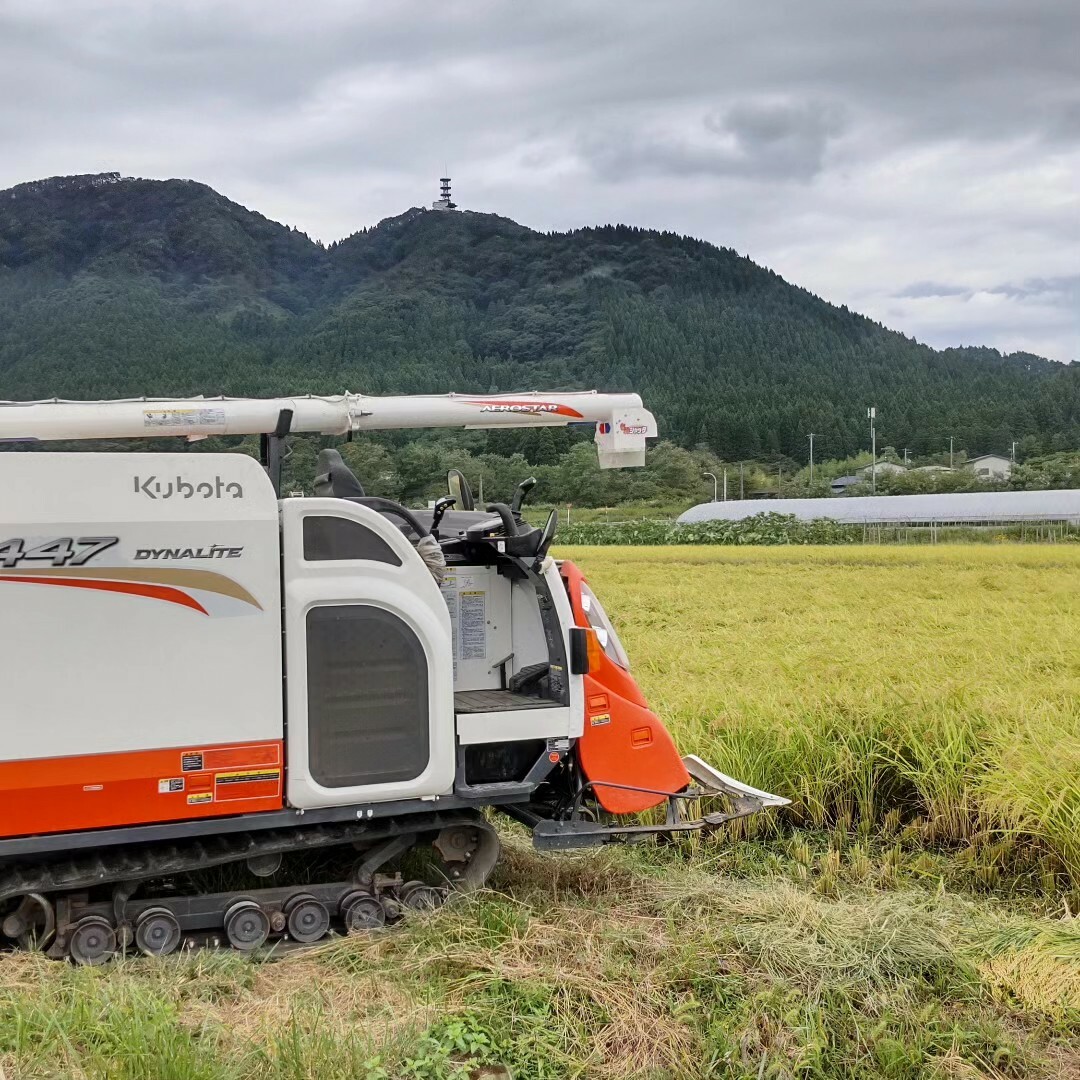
195, 672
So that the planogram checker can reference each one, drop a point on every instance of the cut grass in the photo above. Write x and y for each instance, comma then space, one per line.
635, 962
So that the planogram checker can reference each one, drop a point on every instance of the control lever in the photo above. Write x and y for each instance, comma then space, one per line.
441, 506
508, 523
520, 495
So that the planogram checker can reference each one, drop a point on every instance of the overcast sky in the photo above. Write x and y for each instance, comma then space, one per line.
917, 161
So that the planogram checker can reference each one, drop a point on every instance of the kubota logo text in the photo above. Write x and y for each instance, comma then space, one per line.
154, 488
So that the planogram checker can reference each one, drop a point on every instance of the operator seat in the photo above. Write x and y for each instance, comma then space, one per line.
334, 479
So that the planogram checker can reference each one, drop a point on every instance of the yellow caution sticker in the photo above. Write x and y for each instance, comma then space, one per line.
200, 797
247, 776
600, 719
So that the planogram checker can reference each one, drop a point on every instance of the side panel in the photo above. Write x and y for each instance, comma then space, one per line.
139, 614
95, 791
369, 661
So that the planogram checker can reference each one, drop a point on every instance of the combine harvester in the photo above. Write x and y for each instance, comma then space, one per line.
197, 673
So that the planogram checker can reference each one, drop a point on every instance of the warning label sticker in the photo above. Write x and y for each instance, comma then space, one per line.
249, 776
449, 592
191, 762
180, 418
176, 783
200, 797
472, 625
600, 719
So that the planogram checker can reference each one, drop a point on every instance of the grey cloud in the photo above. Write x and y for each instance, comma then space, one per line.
1066, 286
920, 290
780, 138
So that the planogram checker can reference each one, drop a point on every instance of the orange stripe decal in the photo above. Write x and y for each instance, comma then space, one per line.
132, 588
205, 580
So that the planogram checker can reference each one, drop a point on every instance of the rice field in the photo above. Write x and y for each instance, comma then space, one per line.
934, 687
911, 917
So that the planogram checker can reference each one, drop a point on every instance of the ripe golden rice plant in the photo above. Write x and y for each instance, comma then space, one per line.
937, 684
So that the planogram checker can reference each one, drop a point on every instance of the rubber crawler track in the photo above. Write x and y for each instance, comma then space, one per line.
153, 860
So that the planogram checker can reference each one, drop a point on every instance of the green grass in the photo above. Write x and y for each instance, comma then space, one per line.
909, 918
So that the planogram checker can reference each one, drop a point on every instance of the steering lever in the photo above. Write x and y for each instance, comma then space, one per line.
439, 511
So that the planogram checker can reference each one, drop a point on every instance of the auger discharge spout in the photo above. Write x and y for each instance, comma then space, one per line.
621, 423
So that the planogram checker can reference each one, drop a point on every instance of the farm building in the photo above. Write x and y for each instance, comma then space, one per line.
991, 466
842, 483
884, 468
969, 508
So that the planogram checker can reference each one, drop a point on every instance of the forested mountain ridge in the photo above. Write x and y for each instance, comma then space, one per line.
119, 287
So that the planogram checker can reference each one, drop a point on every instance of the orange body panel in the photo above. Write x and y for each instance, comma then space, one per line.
624, 742
94, 791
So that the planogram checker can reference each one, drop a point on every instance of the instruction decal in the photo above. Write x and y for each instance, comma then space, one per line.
192, 761
170, 417
472, 629
199, 797
175, 783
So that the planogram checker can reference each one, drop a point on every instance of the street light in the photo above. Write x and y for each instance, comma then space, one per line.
713, 478
871, 415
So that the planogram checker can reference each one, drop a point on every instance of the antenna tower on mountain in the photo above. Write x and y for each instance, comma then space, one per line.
443, 202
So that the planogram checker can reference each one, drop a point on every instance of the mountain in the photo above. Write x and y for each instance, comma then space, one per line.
113, 287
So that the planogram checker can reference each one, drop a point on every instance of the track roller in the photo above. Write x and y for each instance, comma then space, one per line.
93, 941
308, 918
157, 932
247, 926
416, 896
361, 911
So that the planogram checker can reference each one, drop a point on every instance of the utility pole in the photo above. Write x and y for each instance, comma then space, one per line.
742, 493
905, 455
713, 479
1014, 452
950, 452
725, 483
871, 415
812, 434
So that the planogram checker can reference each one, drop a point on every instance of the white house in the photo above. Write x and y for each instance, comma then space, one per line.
883, 467
991, 466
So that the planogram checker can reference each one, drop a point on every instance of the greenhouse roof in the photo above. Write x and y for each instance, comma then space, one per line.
952, 508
